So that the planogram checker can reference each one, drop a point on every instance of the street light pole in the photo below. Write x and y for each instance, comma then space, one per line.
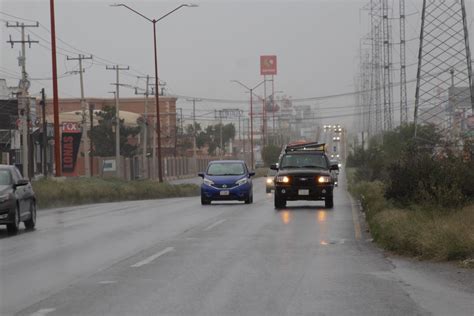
157, 103
251, 116
252, 164
157, 97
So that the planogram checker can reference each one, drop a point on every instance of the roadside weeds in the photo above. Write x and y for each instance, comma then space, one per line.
77, 191
423, 231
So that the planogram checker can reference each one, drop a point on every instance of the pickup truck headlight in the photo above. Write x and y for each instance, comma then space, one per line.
242, 181
283, 179
269, 180
208, 182
324, 179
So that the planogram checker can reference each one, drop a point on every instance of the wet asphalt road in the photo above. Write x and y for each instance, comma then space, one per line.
176, 257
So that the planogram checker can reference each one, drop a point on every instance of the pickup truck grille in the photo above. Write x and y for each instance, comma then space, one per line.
304, 181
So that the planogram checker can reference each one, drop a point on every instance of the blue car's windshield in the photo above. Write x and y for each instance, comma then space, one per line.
5, 178
226, 169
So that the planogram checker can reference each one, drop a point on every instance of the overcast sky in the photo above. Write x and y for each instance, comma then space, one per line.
201, 49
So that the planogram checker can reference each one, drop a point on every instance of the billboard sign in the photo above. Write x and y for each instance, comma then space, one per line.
268, 65
71, 141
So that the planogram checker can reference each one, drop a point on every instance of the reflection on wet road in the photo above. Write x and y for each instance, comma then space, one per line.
176, 257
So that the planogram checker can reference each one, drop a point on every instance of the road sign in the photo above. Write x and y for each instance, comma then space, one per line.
228, 114
268, 65
71, 127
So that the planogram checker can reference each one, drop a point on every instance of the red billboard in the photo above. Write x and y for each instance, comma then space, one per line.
70, 143
268, 65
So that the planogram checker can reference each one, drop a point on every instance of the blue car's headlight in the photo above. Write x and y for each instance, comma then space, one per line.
208, 182
242, 181
4, 197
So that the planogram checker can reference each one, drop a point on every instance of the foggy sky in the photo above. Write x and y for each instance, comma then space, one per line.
201, 49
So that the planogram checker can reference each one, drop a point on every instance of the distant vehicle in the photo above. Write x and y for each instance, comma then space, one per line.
335, 173
270, 181
17, 200
304, 173
226, 180
259, 164
336, 138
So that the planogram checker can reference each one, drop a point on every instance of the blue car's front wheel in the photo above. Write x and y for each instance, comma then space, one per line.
205, 201
249, 199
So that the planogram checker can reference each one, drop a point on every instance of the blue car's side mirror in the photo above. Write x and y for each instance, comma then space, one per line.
201, 174
251, 174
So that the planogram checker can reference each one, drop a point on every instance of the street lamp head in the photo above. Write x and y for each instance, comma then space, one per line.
117, 5
191, 5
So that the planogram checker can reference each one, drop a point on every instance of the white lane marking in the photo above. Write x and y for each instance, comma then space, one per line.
152, 258
107, 282
214, 225
43, 311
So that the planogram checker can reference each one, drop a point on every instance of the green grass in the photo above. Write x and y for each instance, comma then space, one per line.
76, 191
418, 231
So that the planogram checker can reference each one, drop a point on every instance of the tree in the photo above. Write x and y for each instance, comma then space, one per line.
211, 137
270, 154
103, 135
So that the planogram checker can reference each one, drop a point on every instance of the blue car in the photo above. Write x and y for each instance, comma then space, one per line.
226, 180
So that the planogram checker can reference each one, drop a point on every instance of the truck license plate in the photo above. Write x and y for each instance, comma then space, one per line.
303, 192
224, 192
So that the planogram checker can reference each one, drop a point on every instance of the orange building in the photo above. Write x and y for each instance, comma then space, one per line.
132, 109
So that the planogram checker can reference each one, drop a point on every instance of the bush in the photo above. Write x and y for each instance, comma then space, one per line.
261, 172
371, 195
420, 178
75, 191
270, 154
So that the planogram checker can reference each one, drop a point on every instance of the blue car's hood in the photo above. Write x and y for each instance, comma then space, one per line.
225, 179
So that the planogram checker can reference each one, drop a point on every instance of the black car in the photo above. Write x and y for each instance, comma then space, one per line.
17, 200
304, 173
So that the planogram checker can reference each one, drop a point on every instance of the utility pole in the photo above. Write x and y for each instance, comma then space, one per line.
403, 71
387, 59
145, 126
264, 112
194, 100
243, 139
24, 110
117, 68
220, 134
85, 125
45, 136
91, 117
273, 110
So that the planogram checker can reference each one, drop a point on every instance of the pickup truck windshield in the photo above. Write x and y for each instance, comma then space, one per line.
303, 161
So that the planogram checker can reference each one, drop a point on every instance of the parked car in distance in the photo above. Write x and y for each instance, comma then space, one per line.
270, 181
259, 164
226, 180
17, 200
335, 172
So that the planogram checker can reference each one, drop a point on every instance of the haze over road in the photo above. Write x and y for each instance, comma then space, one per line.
176, 257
